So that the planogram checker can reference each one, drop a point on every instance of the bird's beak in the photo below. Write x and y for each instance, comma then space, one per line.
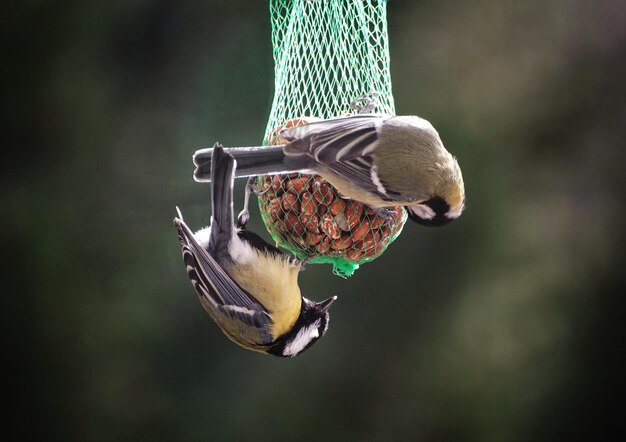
325, 305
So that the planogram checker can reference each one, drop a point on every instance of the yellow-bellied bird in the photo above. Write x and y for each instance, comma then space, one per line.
249, 287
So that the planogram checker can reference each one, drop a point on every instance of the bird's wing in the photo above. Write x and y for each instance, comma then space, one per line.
335, 139
361, 172
218, 289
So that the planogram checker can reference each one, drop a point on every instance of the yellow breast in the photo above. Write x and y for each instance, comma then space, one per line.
273, 281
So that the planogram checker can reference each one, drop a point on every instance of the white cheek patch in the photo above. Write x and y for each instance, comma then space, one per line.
423, 211
302, 339
454, 213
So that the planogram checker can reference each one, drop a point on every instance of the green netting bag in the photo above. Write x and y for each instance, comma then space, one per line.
327, 54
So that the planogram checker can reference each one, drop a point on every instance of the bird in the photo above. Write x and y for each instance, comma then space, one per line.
380, 160
248, 286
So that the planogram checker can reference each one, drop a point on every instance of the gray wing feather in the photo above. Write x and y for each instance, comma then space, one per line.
215, 285
335, 139
358, 171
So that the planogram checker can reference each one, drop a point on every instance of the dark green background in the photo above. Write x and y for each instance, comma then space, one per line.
506, 325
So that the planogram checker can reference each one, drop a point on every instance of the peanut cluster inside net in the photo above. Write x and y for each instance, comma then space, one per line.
326, 53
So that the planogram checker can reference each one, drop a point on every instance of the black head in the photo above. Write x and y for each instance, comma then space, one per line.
434, 212
308, 329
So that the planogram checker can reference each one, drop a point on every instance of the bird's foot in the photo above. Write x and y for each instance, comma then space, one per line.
366, 103
386, 213
242, 219
244, 215
303, 262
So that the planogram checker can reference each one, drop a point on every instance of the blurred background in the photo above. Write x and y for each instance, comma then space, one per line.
506, 325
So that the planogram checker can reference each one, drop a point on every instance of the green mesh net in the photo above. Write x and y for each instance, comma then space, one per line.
327, 53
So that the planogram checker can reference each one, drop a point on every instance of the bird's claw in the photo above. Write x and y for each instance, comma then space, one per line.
303, 262
242, 219
386, 213
244, 215
366, 103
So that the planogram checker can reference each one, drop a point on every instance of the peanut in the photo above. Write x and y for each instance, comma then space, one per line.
298, 185
290, 202
274, 208
360, 231
341, 243
310, 222
353, 212
355, 255
337, 206
307, 203
329, 227
377, 221
322, 192
293, 224
313, 238
324, 246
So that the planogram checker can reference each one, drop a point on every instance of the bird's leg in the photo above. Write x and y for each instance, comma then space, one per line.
244, 215
303, 262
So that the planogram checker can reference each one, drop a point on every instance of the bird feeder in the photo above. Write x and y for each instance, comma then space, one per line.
327, 54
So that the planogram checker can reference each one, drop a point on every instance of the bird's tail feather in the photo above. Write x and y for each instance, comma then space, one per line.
222, 178
251, 161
